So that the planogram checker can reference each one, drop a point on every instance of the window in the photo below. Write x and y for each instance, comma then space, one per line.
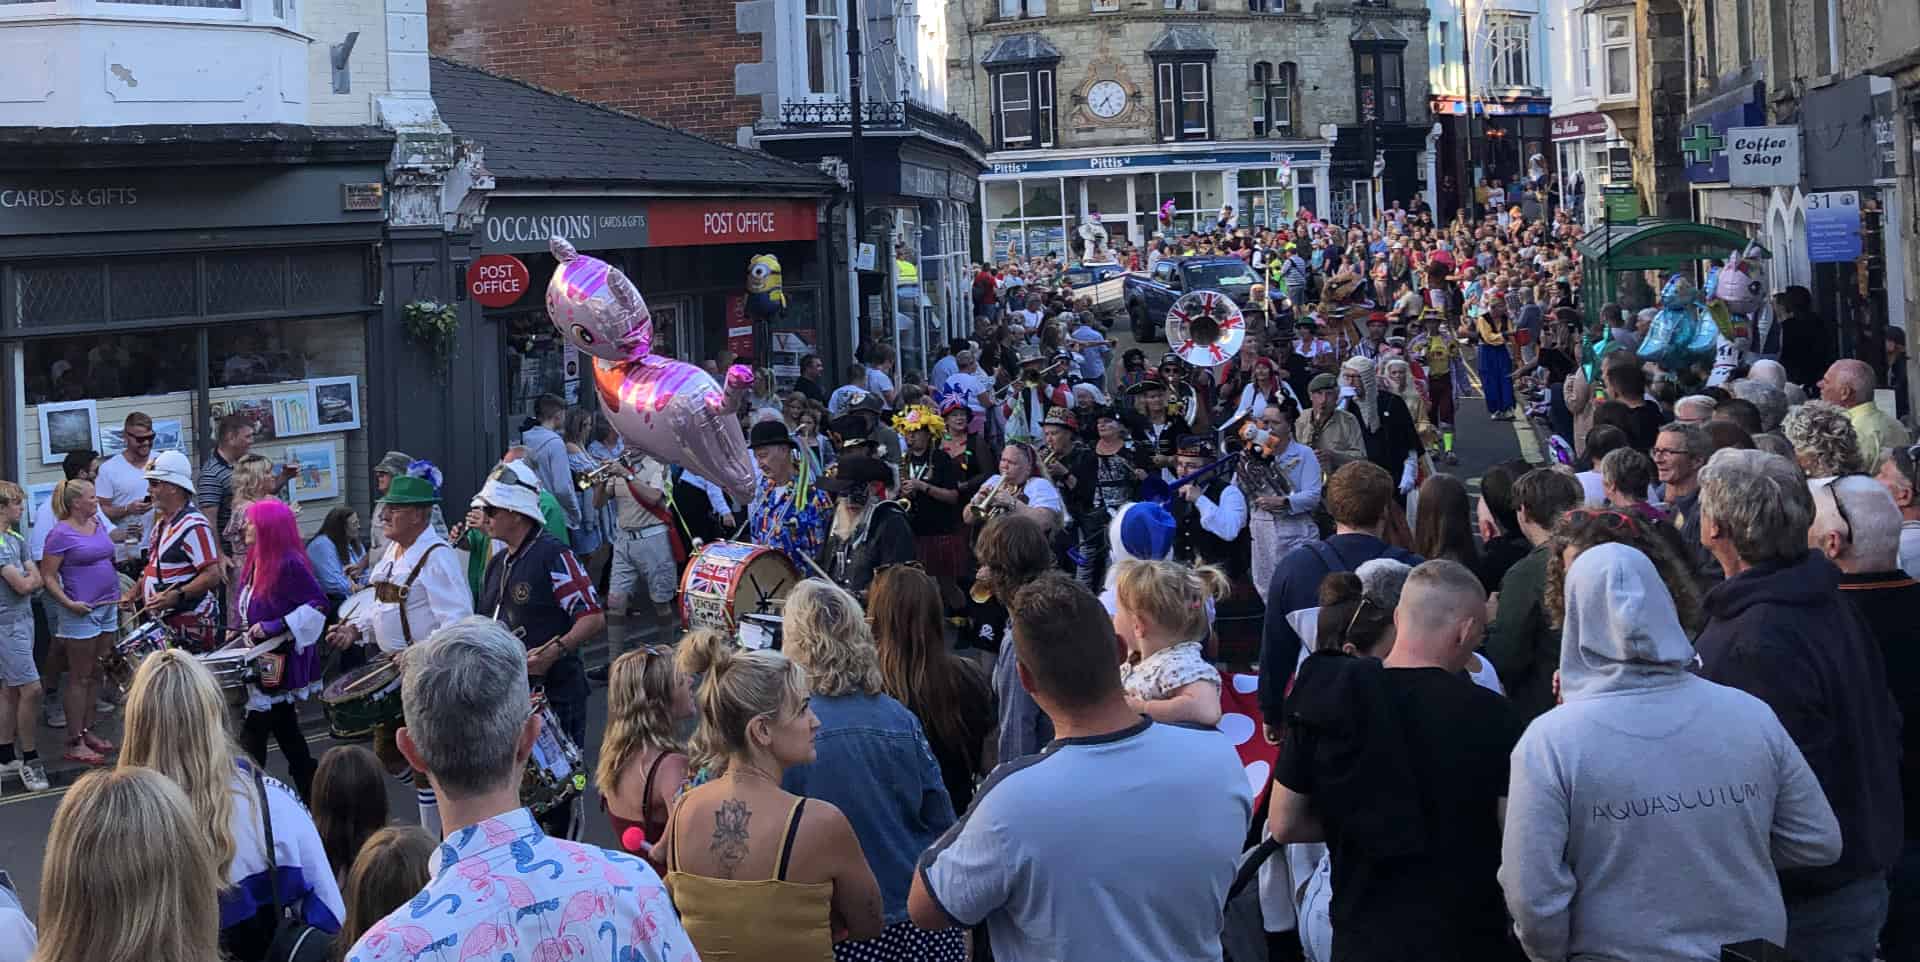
1826, 36
1019, 9
1743, 23
1616, 43
1267, 6
1106, 6
1023, 108
1380, 84
1583, 62
1510, 50
824, 53
1273, 106
1710, 39
1184, 98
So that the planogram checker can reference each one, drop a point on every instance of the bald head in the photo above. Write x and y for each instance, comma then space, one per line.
1847, 383
1865, 537
1440, 618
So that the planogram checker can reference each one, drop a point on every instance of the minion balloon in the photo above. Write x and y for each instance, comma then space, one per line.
766, 301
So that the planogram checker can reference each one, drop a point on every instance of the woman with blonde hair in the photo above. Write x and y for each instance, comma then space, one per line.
254, 479
77, 568
873, 761
176, 724
754, 850
642, 764
393, 866
128, 874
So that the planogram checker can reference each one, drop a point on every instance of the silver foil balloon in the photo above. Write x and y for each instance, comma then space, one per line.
669, 409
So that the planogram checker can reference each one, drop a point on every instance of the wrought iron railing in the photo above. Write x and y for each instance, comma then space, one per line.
839, 113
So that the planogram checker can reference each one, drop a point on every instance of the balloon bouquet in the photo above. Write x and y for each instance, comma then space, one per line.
665, 408
1683, 332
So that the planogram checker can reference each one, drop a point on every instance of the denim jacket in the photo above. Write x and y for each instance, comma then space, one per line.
873, 762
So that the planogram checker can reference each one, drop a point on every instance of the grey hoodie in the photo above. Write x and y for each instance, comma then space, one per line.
1648, 815
547, 454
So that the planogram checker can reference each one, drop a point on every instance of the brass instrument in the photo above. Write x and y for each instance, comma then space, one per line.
607, 470
981, 592
987, 505
905, 501
1032, 378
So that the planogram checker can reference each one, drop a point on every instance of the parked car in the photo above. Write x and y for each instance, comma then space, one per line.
1151, 295
1104, 284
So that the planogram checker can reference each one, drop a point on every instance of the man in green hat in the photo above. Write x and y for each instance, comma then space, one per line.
1332, 433
417, 587
393, 464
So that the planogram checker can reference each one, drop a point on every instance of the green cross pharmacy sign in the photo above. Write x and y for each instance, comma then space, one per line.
1702, 144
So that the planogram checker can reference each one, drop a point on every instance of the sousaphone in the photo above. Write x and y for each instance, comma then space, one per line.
1206, 328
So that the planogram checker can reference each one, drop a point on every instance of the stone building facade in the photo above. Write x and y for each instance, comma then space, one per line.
1109, 108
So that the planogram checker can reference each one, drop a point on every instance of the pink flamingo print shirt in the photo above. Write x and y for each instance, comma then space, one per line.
504, 890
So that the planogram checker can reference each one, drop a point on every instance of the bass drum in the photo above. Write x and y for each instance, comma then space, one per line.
727, 580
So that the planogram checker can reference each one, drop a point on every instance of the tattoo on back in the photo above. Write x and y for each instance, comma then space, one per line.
730, 835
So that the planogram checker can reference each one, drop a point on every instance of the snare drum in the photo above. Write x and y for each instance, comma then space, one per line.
728, 579
357, 604
363, 699
233, 668
118, 665
556, 772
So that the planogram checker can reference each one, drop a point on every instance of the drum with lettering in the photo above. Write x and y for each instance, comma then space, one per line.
234, 669
556, 772
726, 580
363, 699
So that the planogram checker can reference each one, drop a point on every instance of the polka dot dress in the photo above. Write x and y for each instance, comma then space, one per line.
905, 942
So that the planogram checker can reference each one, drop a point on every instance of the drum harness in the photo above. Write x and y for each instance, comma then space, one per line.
397, 593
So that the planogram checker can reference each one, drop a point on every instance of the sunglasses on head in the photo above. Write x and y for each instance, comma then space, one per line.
1839, 506
506, 475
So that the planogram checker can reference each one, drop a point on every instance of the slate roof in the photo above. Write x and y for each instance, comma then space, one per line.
1021, 48
1183, 39
532, 134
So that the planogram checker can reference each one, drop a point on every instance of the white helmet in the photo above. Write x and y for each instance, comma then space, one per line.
173, 468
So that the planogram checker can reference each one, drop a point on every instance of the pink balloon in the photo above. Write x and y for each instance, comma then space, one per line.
669, 409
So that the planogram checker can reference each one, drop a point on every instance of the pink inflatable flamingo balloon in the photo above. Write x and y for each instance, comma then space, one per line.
665, 408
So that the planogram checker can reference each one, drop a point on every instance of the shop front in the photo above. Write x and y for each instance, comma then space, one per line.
1585, 148
688, 256
190, 294
1033, 203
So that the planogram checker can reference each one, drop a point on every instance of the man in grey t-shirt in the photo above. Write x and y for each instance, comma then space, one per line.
1055, 855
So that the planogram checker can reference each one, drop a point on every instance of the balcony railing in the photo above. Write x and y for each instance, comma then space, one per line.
878, 115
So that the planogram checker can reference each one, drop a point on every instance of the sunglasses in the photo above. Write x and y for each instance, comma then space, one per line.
137, 440
506, 475
1617, 520
1839, 506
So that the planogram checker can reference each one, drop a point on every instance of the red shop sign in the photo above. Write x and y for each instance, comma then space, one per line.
739, 329
497, 280
682, 223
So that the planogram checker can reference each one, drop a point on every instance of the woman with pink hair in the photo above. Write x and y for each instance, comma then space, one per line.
280, 598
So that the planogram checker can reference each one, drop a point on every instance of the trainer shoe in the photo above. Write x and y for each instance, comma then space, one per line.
34, 774
10, 768
56, 714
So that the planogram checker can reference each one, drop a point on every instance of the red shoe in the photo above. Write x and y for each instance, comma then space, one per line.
95, 742
77, 751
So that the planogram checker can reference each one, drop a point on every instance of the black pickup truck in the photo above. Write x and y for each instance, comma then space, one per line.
1151, 295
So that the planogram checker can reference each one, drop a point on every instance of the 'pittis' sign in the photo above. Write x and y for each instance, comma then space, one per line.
1763, 156
497, 280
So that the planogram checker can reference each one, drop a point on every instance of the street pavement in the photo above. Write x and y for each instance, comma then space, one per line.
1480, 443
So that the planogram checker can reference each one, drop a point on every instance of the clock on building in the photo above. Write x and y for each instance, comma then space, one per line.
1106, 99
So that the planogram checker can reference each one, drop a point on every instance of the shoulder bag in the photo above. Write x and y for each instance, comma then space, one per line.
293, 940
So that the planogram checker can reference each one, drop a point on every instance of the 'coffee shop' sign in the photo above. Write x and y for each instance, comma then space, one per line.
1763, 156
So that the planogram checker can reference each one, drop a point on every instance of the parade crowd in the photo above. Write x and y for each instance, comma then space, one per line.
1089, 655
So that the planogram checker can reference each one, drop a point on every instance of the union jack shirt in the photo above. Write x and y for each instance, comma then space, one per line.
179, 550
775, 521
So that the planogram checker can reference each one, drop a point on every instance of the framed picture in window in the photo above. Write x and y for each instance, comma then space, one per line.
65, 427
336, 403
319, 477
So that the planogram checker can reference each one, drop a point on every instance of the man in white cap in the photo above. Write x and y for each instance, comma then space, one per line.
183, 568
418, 586
543, 594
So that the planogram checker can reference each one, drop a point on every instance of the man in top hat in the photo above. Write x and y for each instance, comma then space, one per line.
869, 532
1183, 397
788, 510
1155, 427
418, 586
541, 592
1072, 468
1210, 513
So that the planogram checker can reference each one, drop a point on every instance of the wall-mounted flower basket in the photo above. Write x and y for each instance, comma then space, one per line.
435, 327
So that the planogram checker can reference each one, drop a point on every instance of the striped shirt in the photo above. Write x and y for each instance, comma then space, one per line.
215, 491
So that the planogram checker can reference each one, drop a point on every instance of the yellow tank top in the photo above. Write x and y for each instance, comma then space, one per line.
750, 921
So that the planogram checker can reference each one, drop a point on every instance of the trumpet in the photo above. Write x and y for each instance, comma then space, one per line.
905, 473
1032, 378
607, 471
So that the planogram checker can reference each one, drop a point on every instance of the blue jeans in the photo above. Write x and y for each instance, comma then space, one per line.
1839, 926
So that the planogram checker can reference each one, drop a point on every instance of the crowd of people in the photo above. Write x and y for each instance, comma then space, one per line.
1645, 701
